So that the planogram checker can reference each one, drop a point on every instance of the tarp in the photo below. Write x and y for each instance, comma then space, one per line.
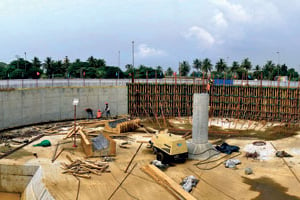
222, 81
100, 142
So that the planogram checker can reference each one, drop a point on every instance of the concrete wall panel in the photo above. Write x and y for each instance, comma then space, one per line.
29, 106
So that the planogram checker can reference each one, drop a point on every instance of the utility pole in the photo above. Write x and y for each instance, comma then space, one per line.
133, 61
278, 62
25, 60
119, 58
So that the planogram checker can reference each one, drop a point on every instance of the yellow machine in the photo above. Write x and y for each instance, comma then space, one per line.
169, 147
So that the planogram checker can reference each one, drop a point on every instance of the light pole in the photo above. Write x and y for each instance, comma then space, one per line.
133, 61
25, 60
278, 62
75, 103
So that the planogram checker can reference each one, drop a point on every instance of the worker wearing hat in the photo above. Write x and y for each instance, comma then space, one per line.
99, 114
107, 110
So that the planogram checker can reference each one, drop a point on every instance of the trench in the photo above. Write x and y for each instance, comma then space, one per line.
22, 182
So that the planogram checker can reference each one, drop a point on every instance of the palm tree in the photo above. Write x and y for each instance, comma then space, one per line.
197, 64
206, 65
100, 63
48, 64
92, 61
268, 70
234, 67
246, 64
169, 71
36, 63
184, 68
221, 65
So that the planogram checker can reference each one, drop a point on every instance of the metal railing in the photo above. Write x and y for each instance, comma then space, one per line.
40, 83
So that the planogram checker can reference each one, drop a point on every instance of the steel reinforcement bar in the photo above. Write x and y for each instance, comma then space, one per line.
241, 102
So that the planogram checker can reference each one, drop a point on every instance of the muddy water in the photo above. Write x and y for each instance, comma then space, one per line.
268, 189
9, 196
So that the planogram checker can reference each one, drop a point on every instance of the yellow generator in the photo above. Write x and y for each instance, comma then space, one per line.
169, 147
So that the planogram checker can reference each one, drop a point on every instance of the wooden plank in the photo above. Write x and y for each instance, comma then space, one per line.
86, 144
167, 182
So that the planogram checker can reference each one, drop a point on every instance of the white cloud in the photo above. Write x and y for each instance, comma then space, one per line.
235, 12
202, 35
145, 51
219, 20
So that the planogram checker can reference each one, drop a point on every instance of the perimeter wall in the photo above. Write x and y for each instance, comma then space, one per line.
29, 106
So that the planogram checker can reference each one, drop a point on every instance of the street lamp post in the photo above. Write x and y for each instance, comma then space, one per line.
278, 62
133, 61
75, 103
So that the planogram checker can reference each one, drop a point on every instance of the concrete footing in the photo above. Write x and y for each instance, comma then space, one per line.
200, 151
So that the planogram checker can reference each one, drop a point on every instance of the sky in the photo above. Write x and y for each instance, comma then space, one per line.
165, 32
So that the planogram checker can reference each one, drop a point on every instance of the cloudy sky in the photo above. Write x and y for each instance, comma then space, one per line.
164, 32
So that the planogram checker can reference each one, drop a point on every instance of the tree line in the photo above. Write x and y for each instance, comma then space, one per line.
97, 68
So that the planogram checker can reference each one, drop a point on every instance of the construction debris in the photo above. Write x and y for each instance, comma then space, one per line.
248, 171
83, 168
231, 163
189, 182
161, 178
282, 154
159, 164
226, 148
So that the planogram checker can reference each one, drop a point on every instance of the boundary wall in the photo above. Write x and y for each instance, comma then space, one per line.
21, 107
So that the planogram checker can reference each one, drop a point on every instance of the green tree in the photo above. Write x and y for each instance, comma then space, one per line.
169, 71
269, 70
48, 65
234, 67
159, 72
246, 64
283, 70
36, 62
3, 73
77, 68
184, 68
206, 65
197, 64
292, 74
100, 63
221, 66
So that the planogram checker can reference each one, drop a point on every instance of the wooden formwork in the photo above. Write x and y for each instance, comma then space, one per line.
241, 102
122, 125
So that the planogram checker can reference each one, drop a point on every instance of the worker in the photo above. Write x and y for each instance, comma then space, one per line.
210, 82
99, 114
89, 112
107, 110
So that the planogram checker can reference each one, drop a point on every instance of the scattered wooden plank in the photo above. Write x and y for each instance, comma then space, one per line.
167, 182
20, 147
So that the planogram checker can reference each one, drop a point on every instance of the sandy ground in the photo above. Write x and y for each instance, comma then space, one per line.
272, 179
9, 196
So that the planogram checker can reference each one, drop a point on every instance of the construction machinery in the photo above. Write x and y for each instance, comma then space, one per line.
169, 147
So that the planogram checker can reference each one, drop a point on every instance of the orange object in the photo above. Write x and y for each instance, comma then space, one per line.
208, 87
99, 114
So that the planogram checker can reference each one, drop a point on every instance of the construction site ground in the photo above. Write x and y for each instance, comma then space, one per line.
271, 178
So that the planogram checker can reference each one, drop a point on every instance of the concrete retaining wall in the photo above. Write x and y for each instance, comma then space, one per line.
36, 189
14, 178
29, 106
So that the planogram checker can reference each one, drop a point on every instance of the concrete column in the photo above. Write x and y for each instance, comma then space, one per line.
198, 147
200, 118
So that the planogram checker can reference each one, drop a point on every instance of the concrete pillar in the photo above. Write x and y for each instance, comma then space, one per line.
200, 118
198, 147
